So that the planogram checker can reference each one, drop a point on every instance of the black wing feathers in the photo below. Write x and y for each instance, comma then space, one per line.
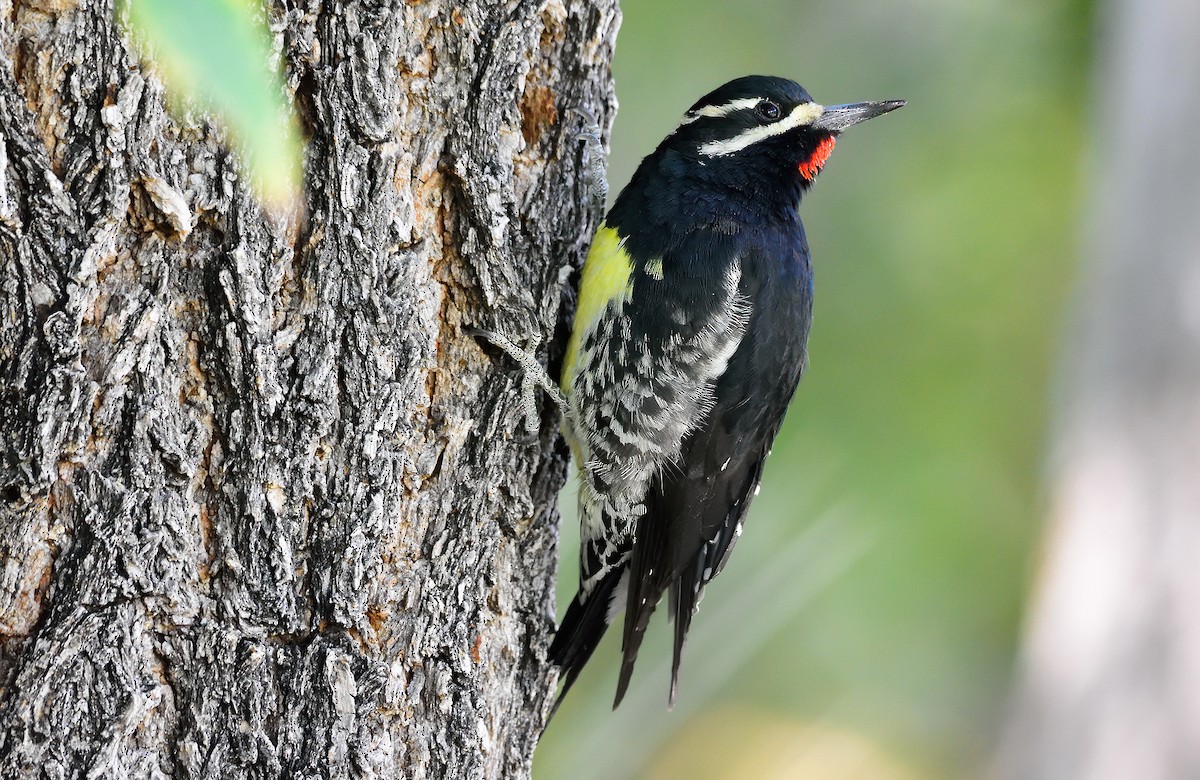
696, 506
693, 520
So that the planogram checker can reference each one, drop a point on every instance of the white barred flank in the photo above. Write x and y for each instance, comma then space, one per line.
616, 605
651, 401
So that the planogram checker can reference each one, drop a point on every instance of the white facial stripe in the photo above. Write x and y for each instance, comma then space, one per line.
803, 114
725, 109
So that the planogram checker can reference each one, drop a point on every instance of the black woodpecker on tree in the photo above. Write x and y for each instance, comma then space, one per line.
689, 339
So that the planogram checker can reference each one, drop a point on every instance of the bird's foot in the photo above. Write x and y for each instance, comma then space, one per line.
592, 158
533, 375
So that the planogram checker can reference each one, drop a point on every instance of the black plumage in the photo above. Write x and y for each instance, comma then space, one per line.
713, 329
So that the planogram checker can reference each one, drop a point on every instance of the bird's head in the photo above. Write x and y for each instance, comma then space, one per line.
765, 128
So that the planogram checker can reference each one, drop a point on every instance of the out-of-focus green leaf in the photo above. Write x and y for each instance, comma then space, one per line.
216, 54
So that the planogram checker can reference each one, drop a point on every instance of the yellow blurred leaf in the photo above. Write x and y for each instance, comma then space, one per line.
215, 54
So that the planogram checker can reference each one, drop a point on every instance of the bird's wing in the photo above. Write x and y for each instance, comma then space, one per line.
647, 378
695, 507
652, 337
693, 519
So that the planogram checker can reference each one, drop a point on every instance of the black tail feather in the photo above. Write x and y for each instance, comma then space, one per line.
636, 621
685, 594
648, 578
581, 630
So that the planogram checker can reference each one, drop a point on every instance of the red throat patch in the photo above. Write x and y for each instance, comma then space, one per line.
812, 166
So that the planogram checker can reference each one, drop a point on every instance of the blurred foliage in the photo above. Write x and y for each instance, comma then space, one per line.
874, 600
216, 54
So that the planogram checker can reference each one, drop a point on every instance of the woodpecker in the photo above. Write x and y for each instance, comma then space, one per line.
689, 340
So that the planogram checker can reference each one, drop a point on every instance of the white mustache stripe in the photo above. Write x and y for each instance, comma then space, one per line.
803, 114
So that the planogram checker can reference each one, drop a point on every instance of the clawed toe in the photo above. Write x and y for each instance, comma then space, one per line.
533, 375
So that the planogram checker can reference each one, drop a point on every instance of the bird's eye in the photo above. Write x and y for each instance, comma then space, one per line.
768, 110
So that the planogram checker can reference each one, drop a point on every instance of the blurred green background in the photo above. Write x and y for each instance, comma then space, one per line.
867, 624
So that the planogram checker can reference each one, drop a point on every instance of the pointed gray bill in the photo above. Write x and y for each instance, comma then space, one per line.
835, 119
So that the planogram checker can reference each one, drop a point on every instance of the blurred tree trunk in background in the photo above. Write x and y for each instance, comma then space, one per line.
1110, 683
265, 510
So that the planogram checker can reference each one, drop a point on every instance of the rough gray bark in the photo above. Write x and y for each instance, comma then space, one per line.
265, 509
1110, 680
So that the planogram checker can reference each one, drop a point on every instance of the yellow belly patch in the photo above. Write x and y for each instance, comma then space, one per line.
606, 278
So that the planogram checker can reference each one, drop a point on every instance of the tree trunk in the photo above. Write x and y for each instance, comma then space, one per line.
265, 509
1110, 683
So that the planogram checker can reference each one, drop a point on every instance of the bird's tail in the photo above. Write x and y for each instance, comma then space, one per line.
685, 595
581, 631
649, 575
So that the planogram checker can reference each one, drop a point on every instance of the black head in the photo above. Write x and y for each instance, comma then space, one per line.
764, 131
